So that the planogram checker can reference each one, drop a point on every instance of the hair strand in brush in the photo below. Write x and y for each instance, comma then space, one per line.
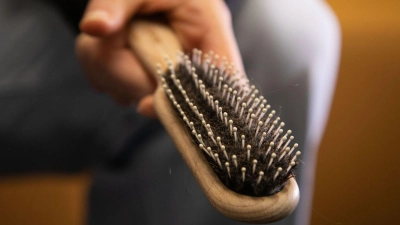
231, 123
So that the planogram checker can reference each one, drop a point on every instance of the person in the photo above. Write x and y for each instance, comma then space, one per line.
290, 49
284, 43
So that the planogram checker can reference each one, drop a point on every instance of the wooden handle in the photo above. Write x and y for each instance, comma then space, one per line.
151, 42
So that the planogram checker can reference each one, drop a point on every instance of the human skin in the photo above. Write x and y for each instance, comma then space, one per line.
111, 67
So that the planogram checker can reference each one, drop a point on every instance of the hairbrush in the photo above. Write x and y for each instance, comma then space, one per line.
231, 140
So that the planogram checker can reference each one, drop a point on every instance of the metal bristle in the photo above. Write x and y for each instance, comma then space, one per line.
230, 122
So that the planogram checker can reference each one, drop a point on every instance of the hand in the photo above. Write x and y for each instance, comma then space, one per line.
110, 65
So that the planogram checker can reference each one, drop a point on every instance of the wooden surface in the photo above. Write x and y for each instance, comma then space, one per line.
358, 160
152, 43
235, 206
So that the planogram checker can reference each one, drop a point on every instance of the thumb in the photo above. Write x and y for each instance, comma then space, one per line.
103, 17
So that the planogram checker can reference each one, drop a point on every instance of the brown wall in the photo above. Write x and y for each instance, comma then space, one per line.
357, 167
43, 199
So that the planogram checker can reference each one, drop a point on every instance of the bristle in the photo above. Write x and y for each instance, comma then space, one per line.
231, 124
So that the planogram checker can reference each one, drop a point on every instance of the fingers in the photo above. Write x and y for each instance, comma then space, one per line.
113, 70
206, 25
110, 65
103, 17
146, 107
202, 24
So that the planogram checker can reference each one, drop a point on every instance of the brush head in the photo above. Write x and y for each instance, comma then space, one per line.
231, 123
151, 42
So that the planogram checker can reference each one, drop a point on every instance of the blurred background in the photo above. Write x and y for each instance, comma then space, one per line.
356, 180
358, 157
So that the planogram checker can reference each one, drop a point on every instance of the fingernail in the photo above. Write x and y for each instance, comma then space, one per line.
95, 23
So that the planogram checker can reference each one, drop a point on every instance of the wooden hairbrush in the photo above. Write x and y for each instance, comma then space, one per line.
152, 42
